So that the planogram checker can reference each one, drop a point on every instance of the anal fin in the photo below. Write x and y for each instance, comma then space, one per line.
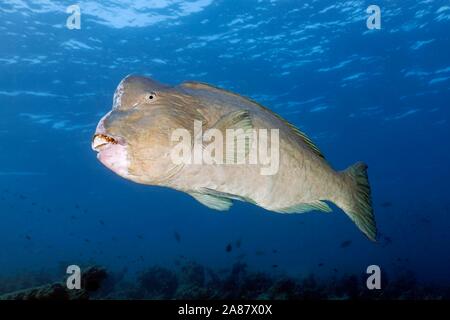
305, 207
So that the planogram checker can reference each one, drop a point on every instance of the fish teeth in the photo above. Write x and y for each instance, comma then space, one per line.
100, 140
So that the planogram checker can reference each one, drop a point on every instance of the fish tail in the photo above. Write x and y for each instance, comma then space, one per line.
356, 201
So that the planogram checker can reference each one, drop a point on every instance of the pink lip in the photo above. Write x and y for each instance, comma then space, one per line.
114, 157
112, 153
111, 150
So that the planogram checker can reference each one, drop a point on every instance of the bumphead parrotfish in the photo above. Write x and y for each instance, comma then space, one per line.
218, 146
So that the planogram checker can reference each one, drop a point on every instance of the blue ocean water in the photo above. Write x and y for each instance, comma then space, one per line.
380, 96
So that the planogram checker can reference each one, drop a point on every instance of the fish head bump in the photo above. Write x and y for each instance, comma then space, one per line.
131, 139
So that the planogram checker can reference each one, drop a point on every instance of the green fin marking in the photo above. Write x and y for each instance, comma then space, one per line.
303, 137
237, 120
305, 207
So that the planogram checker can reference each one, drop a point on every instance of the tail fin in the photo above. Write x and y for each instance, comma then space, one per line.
357, 204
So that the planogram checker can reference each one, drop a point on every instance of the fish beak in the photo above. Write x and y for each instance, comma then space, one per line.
100, 140
112, 153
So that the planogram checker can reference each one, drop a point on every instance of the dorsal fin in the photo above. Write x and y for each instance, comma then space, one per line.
303, 137
204, 85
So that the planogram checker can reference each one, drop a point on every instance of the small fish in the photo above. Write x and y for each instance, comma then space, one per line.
136, 141
177, 236
274, 251
386, 204
229, 247
101, 222
274, 266
27, 237
425, 220
238, 243
320, 264
385, 241
346, 243
259, 253
140, 236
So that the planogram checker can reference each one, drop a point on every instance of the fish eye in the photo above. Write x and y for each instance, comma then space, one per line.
152, 96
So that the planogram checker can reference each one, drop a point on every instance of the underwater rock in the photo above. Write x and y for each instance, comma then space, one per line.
192, 273
192, 282
231, 286
157, 283
348, 287
311, 289
92, 279
25, 280
50, 292
256, 284
284, 289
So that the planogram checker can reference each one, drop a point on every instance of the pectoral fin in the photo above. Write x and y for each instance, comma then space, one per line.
235, 120
241, 122
212, 201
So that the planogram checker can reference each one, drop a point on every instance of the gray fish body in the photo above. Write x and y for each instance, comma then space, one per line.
134, 140
302, 177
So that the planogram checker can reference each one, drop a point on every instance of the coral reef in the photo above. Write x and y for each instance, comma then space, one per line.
191, 281
157, 282
92, 279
